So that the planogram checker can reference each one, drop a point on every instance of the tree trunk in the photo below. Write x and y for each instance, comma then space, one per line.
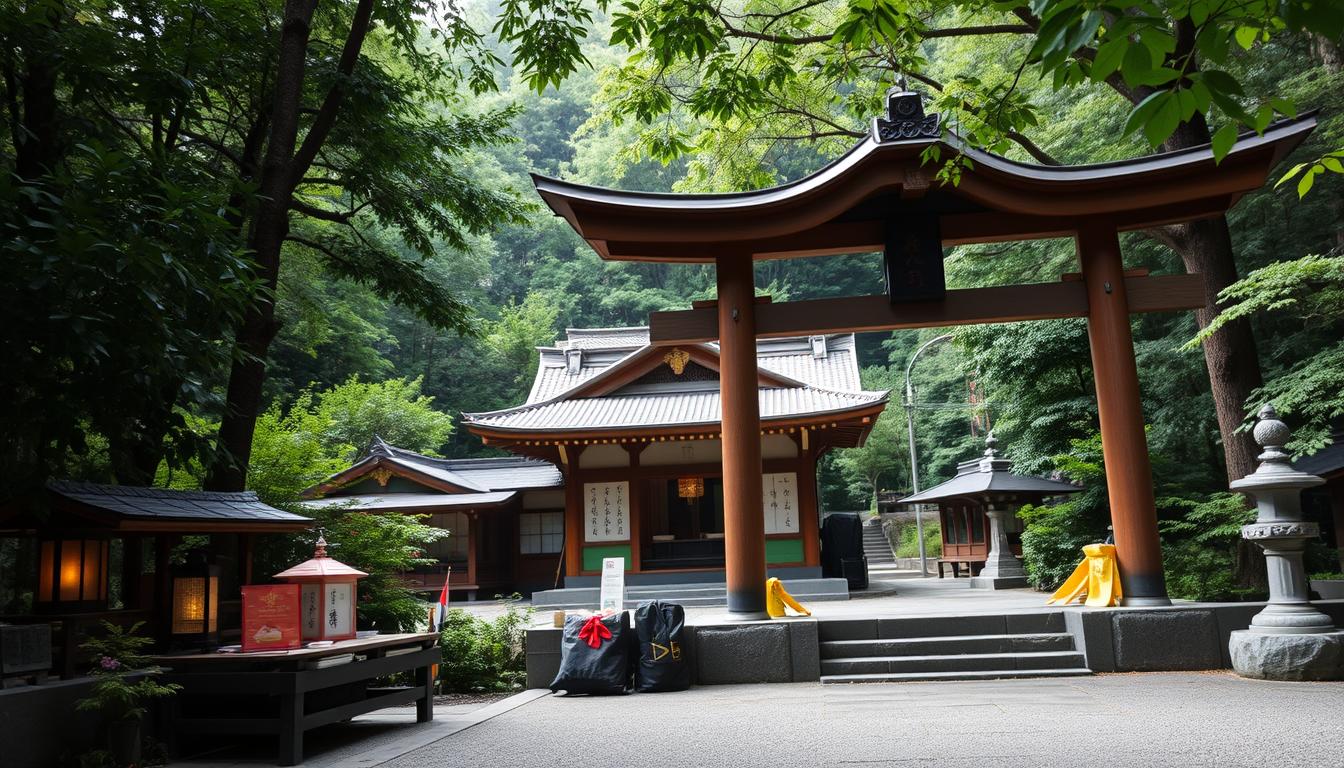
243, 400
282, 170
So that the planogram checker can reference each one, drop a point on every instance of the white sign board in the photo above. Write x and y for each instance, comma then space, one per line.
612, 597
606, 511
780, 493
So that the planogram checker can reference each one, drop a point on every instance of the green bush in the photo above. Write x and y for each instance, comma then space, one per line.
907, 539
480, 655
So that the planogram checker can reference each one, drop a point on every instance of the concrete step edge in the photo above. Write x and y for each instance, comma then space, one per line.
912, 677
949, 638
941, 656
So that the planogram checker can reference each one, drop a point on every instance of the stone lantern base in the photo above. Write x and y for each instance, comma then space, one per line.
1264, 656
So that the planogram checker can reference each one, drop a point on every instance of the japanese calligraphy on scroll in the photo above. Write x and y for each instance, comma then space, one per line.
781, 502
606, 511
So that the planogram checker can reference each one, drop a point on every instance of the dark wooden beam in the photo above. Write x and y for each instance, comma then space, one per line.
967, 306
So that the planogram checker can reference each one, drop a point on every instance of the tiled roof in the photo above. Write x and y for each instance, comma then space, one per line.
990, 473
173, 505
413, 500
670, 409
605, 338
606, 348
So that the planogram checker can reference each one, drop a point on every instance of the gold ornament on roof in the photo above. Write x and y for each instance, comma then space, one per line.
382, 475
677, 360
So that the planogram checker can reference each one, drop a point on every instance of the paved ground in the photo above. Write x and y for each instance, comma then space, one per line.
1112, 721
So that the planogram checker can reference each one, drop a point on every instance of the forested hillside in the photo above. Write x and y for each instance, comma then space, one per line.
420, 261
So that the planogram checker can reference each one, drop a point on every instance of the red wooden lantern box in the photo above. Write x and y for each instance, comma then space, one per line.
327, 595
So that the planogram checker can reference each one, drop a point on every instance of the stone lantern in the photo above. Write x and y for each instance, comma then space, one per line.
1290, 639
326, 595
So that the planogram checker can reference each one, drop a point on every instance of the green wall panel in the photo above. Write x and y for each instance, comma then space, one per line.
592, 556
783, 550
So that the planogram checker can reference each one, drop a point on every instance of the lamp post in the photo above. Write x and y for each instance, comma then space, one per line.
914, 460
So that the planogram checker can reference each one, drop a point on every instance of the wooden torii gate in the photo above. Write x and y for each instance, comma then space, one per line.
882, 196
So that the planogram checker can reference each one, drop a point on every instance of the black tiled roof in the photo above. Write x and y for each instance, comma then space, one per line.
168, 504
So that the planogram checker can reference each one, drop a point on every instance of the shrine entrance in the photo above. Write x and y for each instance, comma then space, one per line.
882, 196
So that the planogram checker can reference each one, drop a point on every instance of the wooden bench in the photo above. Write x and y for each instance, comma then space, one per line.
285, 693
973, 567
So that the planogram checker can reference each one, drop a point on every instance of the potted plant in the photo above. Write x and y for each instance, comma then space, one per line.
1330, 586
124, 682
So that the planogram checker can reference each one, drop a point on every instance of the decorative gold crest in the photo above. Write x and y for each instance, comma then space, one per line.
382, 475
677, 360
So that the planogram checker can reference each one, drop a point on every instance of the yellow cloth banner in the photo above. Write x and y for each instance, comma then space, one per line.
776, 598
1097, 578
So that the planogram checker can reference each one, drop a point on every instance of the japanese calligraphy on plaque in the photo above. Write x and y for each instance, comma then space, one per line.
780, 492
606, 511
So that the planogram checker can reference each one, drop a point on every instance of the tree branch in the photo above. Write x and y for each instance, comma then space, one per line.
326, 115
1031, 148
339, 217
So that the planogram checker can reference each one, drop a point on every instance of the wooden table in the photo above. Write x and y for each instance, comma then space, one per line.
279, 692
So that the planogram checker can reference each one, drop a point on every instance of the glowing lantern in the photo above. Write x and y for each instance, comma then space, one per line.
72, 573
196, 602
690, 488
326, 595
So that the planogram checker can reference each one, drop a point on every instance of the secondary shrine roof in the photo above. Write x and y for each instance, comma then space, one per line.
614, 380
844, 207
988, 476
480, 479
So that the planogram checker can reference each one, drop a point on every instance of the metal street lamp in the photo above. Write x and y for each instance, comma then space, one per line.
914, 460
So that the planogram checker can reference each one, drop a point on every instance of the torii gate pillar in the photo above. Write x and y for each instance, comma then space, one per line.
1129, 481
743, 520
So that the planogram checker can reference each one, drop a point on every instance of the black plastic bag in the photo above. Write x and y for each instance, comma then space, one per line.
598, 669
662, 664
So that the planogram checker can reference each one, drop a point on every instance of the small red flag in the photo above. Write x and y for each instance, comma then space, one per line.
443, 599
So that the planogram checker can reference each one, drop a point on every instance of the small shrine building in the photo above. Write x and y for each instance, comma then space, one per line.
619, 454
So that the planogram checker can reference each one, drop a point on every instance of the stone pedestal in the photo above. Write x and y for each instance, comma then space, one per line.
1002, 570
1264, 656
1289, 639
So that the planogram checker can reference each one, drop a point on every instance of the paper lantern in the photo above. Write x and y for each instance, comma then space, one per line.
690, 487
195, 616
326, 596
72, 574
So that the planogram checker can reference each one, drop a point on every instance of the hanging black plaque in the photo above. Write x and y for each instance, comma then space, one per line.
914, 259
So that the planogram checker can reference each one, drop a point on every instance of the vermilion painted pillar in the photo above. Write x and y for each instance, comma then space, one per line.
1129, 476
743, 516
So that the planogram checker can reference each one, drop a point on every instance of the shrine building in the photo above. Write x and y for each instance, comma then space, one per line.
619, 454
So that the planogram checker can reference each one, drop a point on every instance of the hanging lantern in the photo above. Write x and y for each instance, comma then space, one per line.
72, 574
690, 488
196, 602
326, 597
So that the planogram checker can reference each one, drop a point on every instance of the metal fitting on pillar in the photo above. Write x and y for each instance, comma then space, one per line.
1280, 530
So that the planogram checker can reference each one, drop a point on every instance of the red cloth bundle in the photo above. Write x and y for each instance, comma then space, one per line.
594, 632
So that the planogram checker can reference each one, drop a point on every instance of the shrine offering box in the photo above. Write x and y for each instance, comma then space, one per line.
271, 617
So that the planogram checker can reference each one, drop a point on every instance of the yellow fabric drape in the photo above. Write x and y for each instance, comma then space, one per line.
1097, 578
776, 598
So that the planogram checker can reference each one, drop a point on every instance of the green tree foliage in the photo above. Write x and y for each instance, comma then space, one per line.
878, 463
1311, 291
323, 432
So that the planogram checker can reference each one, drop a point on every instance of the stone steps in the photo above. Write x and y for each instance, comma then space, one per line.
697, 594
947, 648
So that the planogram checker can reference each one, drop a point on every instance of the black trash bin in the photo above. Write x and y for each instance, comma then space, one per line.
842, 540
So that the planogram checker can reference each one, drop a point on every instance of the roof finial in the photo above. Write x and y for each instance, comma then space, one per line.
321, 545
990, 442
1272, 434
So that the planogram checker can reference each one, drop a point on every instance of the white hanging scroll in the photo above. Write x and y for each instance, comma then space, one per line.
781, 502
606, 511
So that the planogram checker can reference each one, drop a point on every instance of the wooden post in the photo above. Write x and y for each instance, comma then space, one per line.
473, 541
636, 508
1129, 477
573, 516
743, 516
809, 508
